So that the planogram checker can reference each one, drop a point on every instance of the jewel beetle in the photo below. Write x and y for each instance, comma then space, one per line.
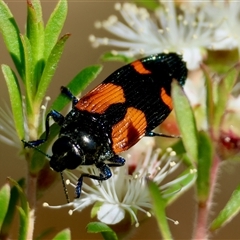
114, 116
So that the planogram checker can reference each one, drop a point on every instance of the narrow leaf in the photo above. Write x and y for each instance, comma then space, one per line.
15, 99
11, 36
204, 166
77, 85
210, 96
24, 212
50, 68
22, 195
14, 198
23, 226
231, 209
35, 34
63, 235
54, 26
105, 230
186, 121
4, 202
159, 205
29, 84
224, 89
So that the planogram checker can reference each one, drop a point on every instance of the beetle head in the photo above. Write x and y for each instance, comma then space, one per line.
66, 155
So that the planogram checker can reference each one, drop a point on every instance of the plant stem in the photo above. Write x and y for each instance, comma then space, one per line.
201, 230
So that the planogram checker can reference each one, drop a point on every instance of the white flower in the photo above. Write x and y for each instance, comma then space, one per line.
125, 192
227, 15
187, 32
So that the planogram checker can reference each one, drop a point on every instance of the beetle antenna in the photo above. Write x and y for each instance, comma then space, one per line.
64, 187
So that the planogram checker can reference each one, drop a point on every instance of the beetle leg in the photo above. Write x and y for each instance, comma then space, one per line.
68, 93
116, 161
153, 134
104, 175
57, 117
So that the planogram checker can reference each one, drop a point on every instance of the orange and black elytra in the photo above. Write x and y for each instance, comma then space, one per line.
114, 116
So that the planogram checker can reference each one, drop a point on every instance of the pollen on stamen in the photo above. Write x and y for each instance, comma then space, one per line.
174, 221
114, 52
149, 214
68, 182
137, 224
70, 212
98, 24
118, 6
169, 149
105, 41
43, 107
173, 154
194, 36
45, 204
172, 164
192, 171
180, 17
47, 98
160, 30
92, 38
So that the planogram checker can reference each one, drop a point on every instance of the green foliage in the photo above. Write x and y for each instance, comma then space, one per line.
159, 205
63, 235
105, 230
186, 121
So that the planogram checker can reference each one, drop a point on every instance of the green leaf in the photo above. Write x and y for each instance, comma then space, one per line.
11, 36
23, 211
95, 209
77, 85
35, 34
63, 235
44, 234
224, 89
4, 202
230, 210
29, 84
108, 56
23, 198
54, 26
39, 158
159, 205
225, 59
204, 166
105, 230
6, 227
150, 5
210, 96
15, 99
186, 121
23, 226
50, 68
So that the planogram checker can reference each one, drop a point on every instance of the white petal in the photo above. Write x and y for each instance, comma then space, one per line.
110, 214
